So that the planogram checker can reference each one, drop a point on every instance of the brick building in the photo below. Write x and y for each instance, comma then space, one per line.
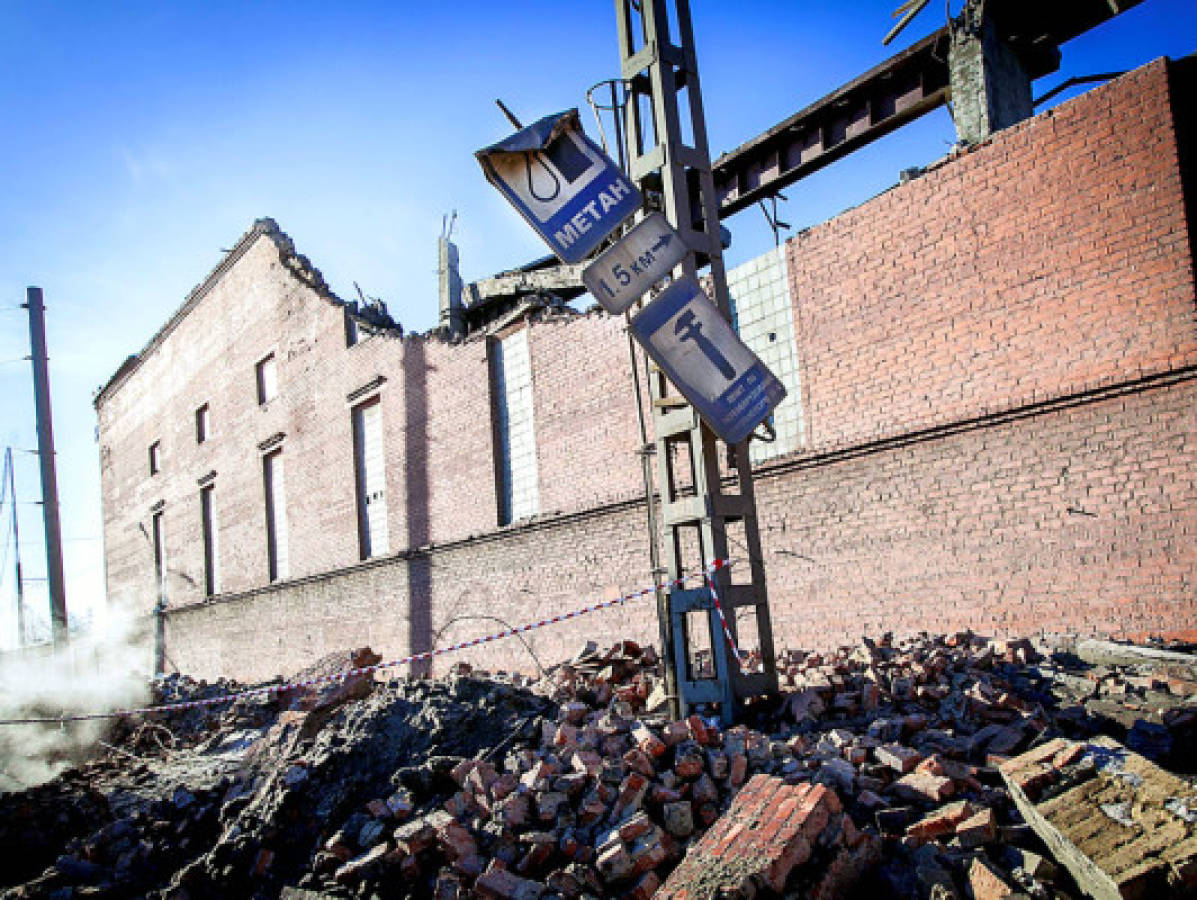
992, 372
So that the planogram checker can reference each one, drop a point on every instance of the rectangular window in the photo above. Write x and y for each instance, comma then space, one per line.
516, 478
267, 374
277, 557
155, 457
203, 424
159, 557
211, 558
369, 466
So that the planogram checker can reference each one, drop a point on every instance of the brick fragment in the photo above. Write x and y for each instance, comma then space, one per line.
647, 852
417, 836
839, 773
614, 863
738, 770
499, 883
645, 887
636, 826
470, 866
646, 740
704, 790
514, 811
573, 713
977, 830
986, 882
699, 732
679, 818
900, 759
688, 762
941, 821
631, 793
639, 761
674, 733
549, 803
502, 786
456, 840
358, 867
924, 787
756, 844
400, 804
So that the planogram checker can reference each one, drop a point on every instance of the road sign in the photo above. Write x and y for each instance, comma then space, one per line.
624, 272
687, 336
562, 183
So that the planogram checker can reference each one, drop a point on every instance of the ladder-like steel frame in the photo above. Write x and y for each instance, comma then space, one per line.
697, 507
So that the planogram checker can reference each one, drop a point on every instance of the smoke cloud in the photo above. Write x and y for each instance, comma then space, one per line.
106, 668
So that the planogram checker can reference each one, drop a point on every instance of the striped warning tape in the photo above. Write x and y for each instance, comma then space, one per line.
714, 567
367, 670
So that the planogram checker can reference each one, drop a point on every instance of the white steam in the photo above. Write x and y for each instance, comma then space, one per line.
106, 668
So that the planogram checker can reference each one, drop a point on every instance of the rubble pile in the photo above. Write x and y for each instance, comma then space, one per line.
878, 772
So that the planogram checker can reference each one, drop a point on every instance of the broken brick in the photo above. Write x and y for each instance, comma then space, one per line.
924, 787
497, 882
941, 821
986, 882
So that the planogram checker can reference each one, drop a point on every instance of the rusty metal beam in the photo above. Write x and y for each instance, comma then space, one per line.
886, 97
899, 90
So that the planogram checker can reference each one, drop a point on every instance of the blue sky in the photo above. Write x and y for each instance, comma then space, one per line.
142, 138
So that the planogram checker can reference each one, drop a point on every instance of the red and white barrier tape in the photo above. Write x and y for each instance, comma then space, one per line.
714, 567
366, 670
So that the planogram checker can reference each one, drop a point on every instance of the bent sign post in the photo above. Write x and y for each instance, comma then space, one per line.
725, 382
562, 183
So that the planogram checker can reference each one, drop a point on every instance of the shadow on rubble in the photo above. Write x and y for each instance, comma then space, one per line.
236, 801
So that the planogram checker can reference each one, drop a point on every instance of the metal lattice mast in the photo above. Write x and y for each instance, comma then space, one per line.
697, 508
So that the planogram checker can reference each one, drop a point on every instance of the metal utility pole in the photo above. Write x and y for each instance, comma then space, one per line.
697, 508
45, 452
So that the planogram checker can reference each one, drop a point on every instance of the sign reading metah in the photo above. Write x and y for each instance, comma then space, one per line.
562, 183
725, 382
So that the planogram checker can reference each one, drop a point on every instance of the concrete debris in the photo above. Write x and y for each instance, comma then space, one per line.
917, 768
1115, 820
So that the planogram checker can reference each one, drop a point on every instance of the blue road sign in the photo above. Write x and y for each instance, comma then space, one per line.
562, 183
725, 382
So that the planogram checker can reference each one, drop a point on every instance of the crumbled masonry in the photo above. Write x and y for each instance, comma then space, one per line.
933, 767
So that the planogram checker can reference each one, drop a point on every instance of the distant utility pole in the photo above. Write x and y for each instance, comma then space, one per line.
45, 452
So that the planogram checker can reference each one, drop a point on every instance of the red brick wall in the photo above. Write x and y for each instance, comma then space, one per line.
528, 573
999, 365
585, 412
1051, 260
1080, 519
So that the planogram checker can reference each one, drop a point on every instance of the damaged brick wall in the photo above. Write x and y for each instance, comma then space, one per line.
1051, 260
997, 364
